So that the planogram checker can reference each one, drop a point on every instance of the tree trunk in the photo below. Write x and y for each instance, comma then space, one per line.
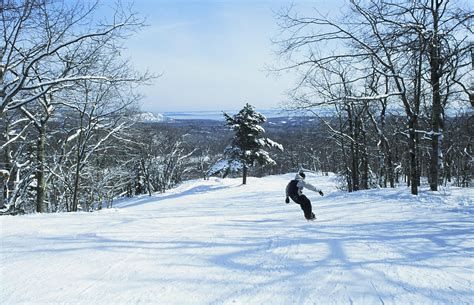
75, 198
437, 108
354, 150
365, 172
244, 176
7, 175
345, 158
390, 170
355, 166
41, 206
364, 159
146, 173
412, 148
437, 132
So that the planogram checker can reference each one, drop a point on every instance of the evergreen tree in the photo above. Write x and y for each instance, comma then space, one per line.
248, 147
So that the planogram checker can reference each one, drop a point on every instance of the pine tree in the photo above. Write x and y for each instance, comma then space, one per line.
248, 147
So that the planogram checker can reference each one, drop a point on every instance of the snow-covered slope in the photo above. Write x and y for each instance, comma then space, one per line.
149, 117
218, 242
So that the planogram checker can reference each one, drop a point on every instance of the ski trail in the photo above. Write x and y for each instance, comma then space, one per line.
377, 293
218, 242
99, 281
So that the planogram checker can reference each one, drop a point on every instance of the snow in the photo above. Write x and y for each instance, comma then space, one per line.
149, 117
223, 164
220, 242
272, 143
75, 135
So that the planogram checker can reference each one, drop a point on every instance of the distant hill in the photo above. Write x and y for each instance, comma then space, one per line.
149, 117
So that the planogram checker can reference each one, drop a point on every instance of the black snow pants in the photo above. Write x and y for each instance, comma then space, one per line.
305, 204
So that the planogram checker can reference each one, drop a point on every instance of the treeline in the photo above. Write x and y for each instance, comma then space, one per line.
378, 57
87, 170
366, 162
86, 164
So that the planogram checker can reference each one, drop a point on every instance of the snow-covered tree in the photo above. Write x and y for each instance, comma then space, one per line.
54, 49
248, 146
159, 157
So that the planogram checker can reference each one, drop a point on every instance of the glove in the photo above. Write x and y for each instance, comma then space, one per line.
287, 200
321, 193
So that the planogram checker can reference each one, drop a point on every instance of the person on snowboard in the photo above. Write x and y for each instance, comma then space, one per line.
294, 190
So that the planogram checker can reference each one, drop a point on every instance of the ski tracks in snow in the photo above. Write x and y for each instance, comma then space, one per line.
218, 242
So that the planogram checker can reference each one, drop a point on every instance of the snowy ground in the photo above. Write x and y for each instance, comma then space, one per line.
218, 242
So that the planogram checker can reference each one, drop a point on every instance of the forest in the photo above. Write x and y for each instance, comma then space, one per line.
396, 83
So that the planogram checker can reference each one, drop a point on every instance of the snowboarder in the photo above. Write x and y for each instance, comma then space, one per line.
294, 190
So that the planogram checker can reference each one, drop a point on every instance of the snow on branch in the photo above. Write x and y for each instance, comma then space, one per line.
373, 98
16, 137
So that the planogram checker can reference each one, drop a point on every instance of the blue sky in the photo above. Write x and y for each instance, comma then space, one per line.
212, 54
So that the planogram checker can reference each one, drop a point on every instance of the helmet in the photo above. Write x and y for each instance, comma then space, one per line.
302, 175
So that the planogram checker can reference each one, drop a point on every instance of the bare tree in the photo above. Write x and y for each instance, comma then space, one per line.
53, 47
446, 33
51, 37
395, 41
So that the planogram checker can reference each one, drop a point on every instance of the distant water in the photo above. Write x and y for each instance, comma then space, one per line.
219, 116
195, 115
